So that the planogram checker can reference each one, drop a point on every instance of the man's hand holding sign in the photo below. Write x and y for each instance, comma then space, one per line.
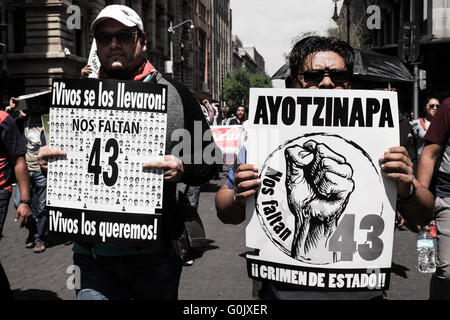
172, 166
45, 153
397, 166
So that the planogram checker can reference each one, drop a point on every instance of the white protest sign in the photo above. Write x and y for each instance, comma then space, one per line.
109, 129
324, 215
23, 99
93, 60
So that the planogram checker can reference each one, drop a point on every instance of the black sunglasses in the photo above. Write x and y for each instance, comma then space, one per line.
432, 106
122, 36
316, 76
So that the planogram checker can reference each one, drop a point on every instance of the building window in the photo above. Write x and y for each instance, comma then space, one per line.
202, 11
15, 33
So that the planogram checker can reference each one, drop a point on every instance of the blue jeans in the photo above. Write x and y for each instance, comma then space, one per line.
3, 211
37, 227
440, 282
138, 277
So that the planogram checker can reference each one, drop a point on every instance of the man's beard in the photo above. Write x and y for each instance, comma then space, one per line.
123, 73
118, 73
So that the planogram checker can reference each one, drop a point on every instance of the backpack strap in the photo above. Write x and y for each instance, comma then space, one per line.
151, 78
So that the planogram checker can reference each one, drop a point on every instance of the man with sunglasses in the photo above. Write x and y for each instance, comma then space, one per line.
434, 172
115, 272
321, 63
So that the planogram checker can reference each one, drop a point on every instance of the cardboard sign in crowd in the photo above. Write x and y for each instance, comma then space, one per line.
227, 139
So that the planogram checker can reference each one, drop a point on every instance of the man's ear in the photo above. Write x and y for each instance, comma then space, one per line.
143, 41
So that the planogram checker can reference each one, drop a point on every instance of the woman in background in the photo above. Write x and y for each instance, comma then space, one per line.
421, 125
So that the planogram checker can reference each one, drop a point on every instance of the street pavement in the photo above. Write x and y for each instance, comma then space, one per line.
220, 274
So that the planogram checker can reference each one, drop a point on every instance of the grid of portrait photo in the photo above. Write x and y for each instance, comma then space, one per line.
105, 153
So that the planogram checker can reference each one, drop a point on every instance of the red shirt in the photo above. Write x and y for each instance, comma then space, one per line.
12, 146
439, 129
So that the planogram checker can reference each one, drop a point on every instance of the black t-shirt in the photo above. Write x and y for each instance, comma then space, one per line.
12, 146
439, 133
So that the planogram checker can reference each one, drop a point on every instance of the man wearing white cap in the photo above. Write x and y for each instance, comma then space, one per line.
117, 272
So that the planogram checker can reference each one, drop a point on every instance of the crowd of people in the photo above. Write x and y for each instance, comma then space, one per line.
110, 271
218, 115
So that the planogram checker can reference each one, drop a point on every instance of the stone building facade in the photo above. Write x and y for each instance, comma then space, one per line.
41, 45
221, 45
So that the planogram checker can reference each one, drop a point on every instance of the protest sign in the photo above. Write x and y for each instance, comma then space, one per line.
41, 97
323, 218
109, 129
227, 139
93, 60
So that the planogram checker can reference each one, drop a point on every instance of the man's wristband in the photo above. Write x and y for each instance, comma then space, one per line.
410, 196
28, 202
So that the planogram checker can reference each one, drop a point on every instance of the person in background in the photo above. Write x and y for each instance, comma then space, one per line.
216, 105
33, 130
12, 163
239, 118
209, 111
434, 173
419, 129
420, 126
222, 116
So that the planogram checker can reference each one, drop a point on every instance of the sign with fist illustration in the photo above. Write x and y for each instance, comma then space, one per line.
323, 216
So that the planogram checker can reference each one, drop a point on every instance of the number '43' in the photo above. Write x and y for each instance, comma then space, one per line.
343, 241
94, 162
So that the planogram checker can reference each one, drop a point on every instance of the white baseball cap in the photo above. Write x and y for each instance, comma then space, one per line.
125, 15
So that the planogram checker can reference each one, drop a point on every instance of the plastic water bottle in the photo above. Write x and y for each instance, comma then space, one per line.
425, 252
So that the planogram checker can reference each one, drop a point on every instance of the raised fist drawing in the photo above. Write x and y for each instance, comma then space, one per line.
318, 185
